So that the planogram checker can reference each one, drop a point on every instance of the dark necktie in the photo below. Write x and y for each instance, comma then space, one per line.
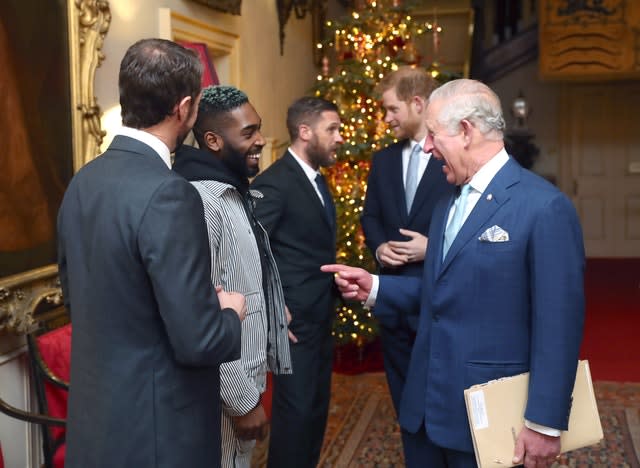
329, 207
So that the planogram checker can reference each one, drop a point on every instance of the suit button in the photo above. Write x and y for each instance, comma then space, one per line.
436, 317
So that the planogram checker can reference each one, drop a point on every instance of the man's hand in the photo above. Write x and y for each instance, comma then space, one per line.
536, 450
414, 249
252, 425
292, 337
389, 257
353, 283
233, 300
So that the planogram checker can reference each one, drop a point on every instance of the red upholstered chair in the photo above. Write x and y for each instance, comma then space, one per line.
1, 458
50, 354
31, 417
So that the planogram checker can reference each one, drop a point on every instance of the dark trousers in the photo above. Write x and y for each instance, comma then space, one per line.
301, 401
421, 452
396, 342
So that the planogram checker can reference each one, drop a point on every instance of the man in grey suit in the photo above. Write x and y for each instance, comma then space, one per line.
149, 330
299, 215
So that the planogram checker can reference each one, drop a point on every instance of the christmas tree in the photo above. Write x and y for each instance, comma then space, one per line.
375, 39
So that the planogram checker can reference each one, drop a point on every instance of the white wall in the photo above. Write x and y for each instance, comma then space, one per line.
20, 441
270, 80
543, 99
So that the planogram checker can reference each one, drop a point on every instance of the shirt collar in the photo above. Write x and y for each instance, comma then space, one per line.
485, 175
412, 143
147, 138
310, 172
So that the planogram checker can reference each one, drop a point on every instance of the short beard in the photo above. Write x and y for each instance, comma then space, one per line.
318, 156
236, 163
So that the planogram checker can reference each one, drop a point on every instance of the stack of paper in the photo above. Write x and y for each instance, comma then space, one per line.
496, 416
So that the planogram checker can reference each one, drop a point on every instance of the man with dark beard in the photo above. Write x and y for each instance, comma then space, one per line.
228, 133
298, 212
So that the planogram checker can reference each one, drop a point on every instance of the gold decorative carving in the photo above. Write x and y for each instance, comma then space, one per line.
25, 294
21, 295
89, 22
589, 40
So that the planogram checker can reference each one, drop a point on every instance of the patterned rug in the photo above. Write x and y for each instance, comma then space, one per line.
362, 432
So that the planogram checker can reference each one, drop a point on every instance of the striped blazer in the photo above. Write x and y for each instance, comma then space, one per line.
235, 265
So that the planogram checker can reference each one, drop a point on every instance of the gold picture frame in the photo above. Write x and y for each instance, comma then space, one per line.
26, 293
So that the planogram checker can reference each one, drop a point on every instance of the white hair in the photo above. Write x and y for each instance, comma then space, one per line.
473, 101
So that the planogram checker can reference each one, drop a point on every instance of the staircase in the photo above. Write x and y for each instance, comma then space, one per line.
505, 37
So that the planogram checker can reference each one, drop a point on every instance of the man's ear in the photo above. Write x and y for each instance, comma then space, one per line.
213, 141
418, 103
467, 131
305, 132
183, 108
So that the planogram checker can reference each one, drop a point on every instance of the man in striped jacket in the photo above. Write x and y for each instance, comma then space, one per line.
228, 133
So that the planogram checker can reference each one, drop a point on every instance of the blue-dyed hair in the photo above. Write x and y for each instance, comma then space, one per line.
216, 102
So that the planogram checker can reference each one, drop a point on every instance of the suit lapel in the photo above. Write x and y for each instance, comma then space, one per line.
307, 187
438, 224
486, 207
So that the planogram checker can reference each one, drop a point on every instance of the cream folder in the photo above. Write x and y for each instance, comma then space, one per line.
496, 416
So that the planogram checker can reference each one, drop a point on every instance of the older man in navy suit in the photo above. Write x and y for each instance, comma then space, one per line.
501, 291
404, 185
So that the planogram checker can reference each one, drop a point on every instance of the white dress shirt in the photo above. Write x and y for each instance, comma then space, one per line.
310, 172
147, 138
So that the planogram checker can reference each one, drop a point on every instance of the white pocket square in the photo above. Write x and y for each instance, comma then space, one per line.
494, 234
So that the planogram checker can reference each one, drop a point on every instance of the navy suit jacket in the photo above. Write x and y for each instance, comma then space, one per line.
495, 309
385, 211
148, 332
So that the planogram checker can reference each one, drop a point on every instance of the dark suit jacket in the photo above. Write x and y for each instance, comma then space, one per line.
302, 239
385, 210
148, 332
495, 309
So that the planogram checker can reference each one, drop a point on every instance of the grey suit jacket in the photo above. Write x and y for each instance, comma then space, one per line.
148, 332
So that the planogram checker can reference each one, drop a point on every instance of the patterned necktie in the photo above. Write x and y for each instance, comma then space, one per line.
456, 221
329, 207
411, 180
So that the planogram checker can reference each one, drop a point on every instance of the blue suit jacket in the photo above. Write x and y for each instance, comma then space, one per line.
385, 210
495, 309
148, 331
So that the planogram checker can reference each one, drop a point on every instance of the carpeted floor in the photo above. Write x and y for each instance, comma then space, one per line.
362, 431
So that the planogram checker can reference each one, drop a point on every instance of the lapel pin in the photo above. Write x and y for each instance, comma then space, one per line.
490, 197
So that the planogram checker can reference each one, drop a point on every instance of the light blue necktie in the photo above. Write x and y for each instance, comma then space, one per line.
456, 221
411, 180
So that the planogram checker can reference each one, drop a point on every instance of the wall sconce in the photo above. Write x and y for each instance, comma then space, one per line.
518, 140
520, 110
301, 7
317, 8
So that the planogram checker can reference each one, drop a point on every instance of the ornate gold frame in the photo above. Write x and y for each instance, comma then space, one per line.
88, 22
